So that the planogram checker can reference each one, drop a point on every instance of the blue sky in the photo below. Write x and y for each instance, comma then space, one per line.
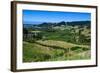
36, 16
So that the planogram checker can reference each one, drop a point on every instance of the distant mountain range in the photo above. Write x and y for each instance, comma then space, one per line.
48, 24
34, 22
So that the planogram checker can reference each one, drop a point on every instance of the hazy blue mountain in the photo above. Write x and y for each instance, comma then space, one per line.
34, 22
48, 24
83, 23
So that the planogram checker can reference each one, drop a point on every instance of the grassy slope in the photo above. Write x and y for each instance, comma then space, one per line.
66, 35
34, 52
61, 44
55, 47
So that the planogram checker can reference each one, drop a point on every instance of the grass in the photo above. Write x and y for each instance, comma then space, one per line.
34, 52
59, 35
61, 44
66, 35
58, 45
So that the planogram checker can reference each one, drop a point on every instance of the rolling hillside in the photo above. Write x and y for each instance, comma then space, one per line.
51, 50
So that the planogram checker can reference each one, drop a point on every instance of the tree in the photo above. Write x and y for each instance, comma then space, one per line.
25, 33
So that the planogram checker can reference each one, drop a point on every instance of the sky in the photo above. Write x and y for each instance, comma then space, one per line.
37, 16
